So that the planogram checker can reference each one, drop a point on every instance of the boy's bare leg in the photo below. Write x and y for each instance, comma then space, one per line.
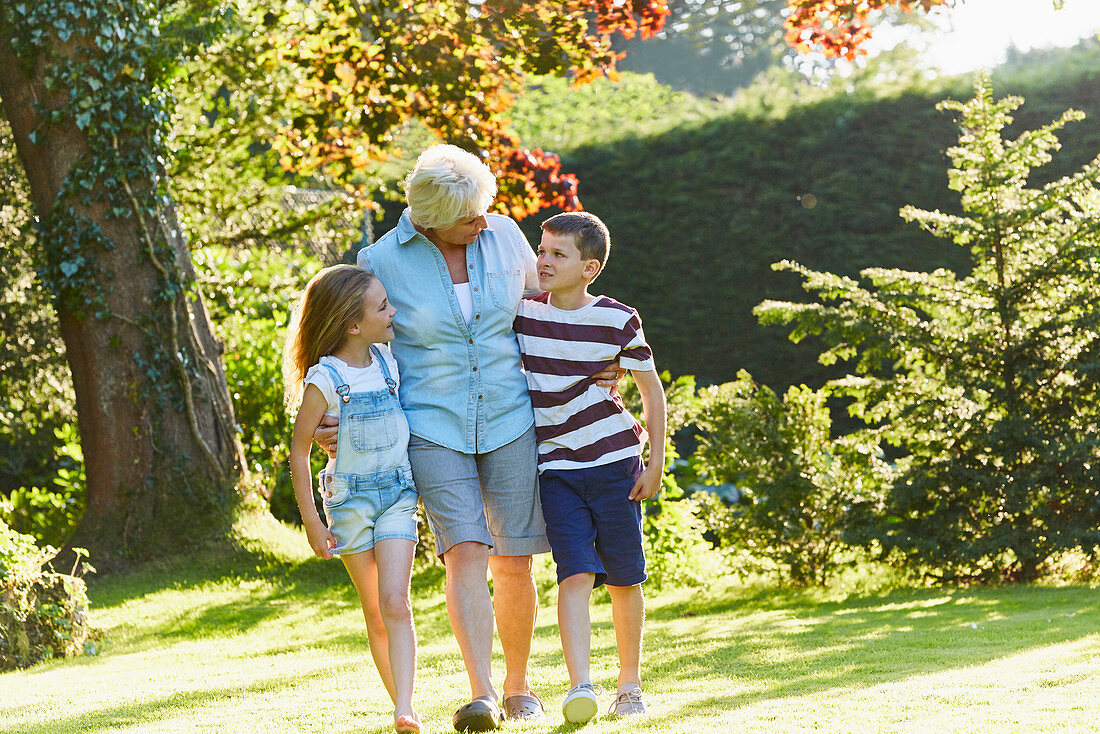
628, 614
470, 609
575, 626
394, 557
515, 605
364, 576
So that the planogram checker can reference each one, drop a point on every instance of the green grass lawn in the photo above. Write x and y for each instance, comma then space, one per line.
267, 639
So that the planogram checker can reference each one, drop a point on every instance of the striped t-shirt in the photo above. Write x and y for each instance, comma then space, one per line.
578, 423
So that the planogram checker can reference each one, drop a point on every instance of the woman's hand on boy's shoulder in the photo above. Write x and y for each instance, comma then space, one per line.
648, 483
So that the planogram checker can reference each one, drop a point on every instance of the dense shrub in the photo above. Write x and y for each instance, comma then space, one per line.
677, 554
797, 485
50, 513
676, 551
43, 614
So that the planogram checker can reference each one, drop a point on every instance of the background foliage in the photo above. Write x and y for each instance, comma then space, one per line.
987, 382
249, 293
700, 192
41, 492
790, 172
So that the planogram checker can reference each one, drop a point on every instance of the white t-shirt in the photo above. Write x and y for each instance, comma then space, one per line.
360, 379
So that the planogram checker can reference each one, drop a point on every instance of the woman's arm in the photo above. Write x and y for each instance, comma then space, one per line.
531, 285
301, 476
325, 435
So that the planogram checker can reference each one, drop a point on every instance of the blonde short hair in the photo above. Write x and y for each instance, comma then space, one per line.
447, 185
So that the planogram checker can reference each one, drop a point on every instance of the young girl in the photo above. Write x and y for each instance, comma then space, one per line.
338, 364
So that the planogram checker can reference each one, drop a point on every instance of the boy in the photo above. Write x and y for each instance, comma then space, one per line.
591, 475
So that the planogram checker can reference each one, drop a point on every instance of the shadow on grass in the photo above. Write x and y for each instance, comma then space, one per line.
232, 562
186, 704
786, 644
763, 643
275, 584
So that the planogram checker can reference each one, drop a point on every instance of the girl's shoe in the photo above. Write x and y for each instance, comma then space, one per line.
580, 704
627, 703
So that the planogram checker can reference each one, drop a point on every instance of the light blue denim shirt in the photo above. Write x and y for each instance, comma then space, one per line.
461, 386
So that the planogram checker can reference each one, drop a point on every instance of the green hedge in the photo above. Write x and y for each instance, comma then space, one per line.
700, 211
701, 197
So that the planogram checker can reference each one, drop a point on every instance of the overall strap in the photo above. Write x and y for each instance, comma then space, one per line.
390, 383
342, 388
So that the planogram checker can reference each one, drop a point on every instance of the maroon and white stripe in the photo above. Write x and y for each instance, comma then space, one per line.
577, 422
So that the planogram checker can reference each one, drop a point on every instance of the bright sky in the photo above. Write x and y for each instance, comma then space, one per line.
977, 32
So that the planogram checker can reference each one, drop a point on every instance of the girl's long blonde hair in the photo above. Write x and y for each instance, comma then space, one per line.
331, 303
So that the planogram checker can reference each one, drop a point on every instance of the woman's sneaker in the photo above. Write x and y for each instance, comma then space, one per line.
627, 703
580, 705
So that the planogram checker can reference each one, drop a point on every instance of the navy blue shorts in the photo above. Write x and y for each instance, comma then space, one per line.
591, 525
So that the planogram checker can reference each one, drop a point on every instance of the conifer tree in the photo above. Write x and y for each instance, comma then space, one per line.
988, 381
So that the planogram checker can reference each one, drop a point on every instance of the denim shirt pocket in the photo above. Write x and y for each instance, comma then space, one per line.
506, 289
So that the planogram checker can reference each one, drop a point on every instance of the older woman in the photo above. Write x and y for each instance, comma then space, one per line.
456, 275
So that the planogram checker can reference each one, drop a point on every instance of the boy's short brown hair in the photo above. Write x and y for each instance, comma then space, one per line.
589, 233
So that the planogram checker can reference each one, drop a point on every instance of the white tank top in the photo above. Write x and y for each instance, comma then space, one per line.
465, 301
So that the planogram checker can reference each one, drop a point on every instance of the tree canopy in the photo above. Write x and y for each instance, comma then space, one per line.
842, 27
335, 81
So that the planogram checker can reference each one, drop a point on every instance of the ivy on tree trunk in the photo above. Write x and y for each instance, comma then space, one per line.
80, 87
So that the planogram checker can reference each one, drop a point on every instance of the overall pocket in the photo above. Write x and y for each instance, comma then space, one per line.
333, 493
373, 431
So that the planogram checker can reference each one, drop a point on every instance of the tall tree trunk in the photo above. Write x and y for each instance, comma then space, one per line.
156, 422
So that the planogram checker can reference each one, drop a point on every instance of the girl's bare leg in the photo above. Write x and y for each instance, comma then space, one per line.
394, 557
363, 570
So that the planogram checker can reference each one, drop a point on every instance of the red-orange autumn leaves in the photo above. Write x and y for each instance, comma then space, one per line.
361, 70
838, 28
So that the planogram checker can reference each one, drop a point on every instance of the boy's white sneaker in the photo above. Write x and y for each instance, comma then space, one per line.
580, 704
627, 703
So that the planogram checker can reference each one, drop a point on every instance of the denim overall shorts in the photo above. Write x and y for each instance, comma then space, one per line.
364, 508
